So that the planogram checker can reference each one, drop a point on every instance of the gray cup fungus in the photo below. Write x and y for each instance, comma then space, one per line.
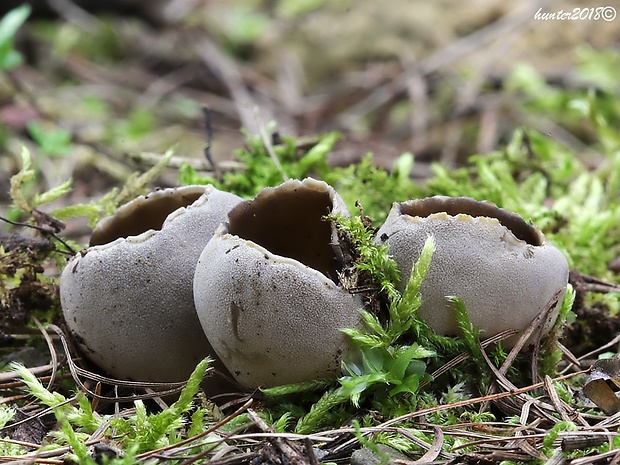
266, 287
501, 266
128, 298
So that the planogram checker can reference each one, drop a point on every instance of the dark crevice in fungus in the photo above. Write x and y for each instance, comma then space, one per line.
143, 214
468, 206
291, 224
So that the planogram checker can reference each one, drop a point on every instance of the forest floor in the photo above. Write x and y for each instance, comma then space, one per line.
103, 94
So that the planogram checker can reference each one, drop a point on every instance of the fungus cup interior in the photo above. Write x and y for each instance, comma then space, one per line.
144, 213
464, 205
290, 223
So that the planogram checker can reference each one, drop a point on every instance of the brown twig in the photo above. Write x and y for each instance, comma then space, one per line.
475, 400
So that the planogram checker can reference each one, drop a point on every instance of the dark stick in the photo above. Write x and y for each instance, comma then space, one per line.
46, 232
207, 150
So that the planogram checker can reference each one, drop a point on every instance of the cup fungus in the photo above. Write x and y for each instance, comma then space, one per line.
266, 287
128, 298
501, 266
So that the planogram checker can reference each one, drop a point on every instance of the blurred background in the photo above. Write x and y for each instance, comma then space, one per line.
104, 88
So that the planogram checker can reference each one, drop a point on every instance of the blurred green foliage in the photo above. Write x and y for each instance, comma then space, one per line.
9, 24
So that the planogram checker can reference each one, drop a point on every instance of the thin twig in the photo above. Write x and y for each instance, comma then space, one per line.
475, 400
52, 349
208, 431
206, 111
45, 231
